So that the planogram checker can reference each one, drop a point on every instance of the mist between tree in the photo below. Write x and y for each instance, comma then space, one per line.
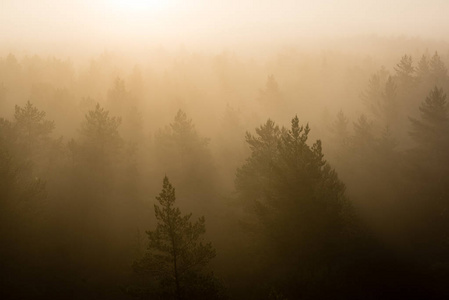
302, 174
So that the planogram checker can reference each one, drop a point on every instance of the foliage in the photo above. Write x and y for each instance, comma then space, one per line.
176, 254
23, 142
100, 136
405, 71
31, 128
182, 135
298, 201
380, 97
423, 70
182, 152
429, 160
270, 95
23, 195
438, 70
432, 128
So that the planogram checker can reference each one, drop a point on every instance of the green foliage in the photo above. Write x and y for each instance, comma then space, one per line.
176, 254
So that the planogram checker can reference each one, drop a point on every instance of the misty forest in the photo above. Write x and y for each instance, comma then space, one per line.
315, 172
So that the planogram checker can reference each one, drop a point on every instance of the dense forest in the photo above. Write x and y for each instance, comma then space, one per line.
299, 175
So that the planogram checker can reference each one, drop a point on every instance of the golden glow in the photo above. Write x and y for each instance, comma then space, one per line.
139, 6
127, 23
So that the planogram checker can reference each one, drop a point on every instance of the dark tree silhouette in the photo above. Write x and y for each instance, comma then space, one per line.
428, 166
431, 130
23, 196
176, 254
300, 209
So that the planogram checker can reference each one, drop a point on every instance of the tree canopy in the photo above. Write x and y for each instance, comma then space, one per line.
297, 199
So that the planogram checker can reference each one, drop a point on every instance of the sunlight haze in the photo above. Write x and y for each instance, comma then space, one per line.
215, 150
108, 24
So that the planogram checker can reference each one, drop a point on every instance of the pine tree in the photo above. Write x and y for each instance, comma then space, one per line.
298, 204
23, 195
96, 155
438, 71
429, 174
31, 139
429, 156
405, 71
181, 136
270, 94
270, 97
340, 128
389, 105
122, 102
432, 129
31, 128
340, 138
254, 179
100, 136
176, 255
184, 153
374, 93
423, 69
363, 138
118, 96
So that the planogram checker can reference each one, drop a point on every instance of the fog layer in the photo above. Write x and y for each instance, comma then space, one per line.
215, 150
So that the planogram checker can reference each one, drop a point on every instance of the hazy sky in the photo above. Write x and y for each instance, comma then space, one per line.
102, 23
